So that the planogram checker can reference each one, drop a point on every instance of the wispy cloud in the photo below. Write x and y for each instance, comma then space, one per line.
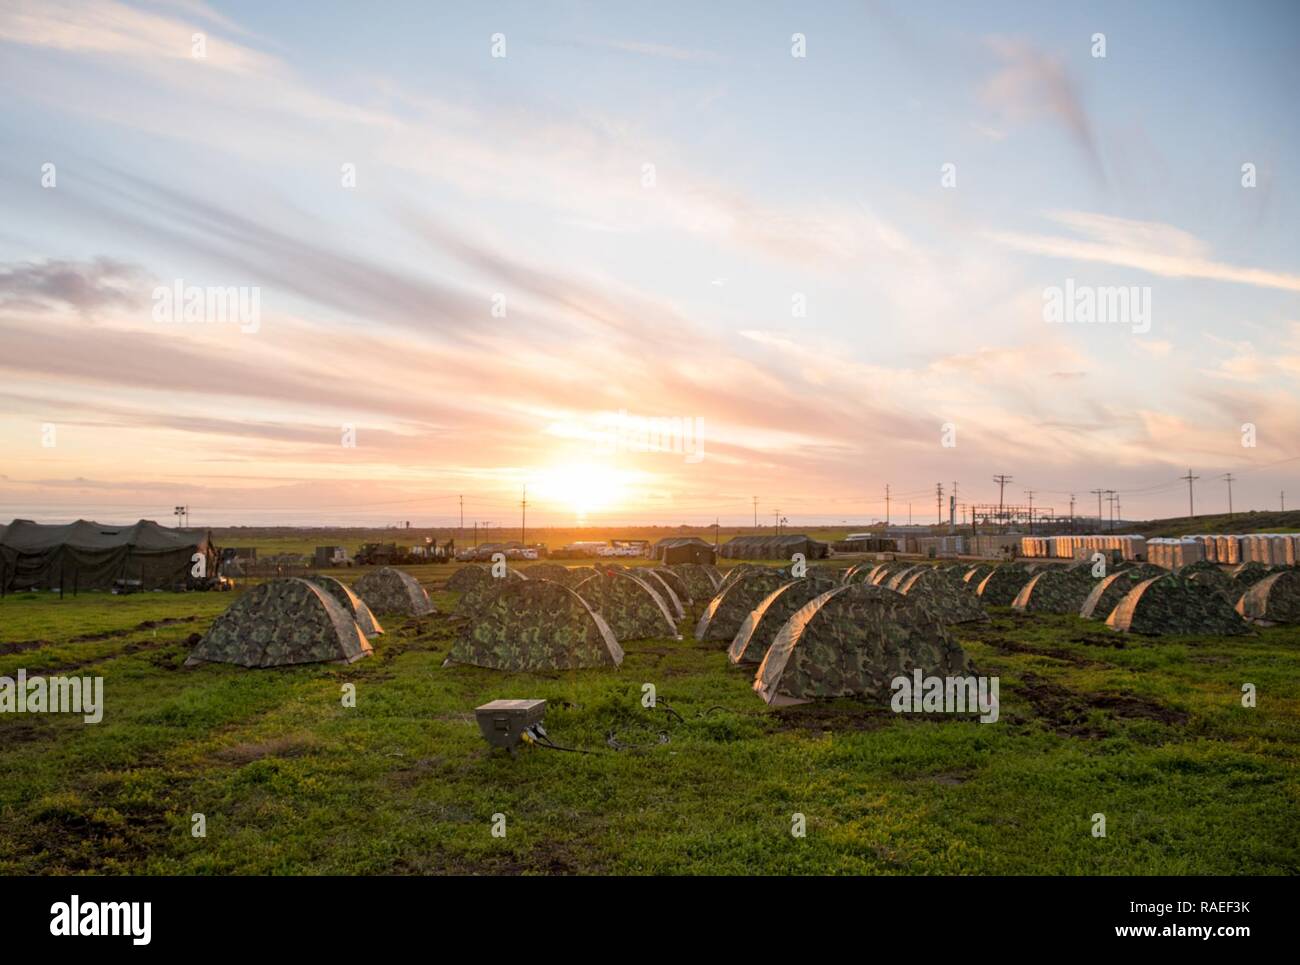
648, 49
49, 285
1148, 246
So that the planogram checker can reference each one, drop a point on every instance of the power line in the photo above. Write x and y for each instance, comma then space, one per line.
1001, 481
523, 516
1191, 506
1098, 493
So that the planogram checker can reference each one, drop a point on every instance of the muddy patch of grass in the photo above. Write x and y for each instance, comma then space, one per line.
818, 718
291, 746
1074, 714
127, 631
23, 645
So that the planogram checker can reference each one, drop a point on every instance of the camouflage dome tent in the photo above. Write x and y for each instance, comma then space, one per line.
722, 618
1217, 580
536, 625
1172, 605
1105, 596
1198, 566
675, 583
880, 575
1001, 587
661, 587
699, 582
280, 623
389, 590
577, 574
467, 578
736, 572
632, 609
546, 571
1274, 599
481, 587
766, 619
350, 602
852, 642
1248, 574
853, 568
974, 576
1056, 589
863, 572
933, 590
896, 577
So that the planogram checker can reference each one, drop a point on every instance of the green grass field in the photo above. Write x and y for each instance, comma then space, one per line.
1150, 733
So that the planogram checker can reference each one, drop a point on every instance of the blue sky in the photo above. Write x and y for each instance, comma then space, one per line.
776, 178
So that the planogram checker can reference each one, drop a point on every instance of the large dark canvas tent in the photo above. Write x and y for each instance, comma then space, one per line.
773, 547
94, 556
684, 549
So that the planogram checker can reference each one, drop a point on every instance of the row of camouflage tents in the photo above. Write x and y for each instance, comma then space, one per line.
1130, 596
827, 633
309, 620
551, 617
811, 637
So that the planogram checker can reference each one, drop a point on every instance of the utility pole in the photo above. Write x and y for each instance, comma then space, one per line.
1071, 512
1030, 494
523, 516
1001, 481
776, 521
938, 503
476, 534
1227, 476
1191, 506
1110, 499
1098, 493
952, 507
886, 505
1119, 508
1284, 500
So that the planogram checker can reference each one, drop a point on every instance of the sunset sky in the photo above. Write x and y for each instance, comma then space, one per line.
651, 191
